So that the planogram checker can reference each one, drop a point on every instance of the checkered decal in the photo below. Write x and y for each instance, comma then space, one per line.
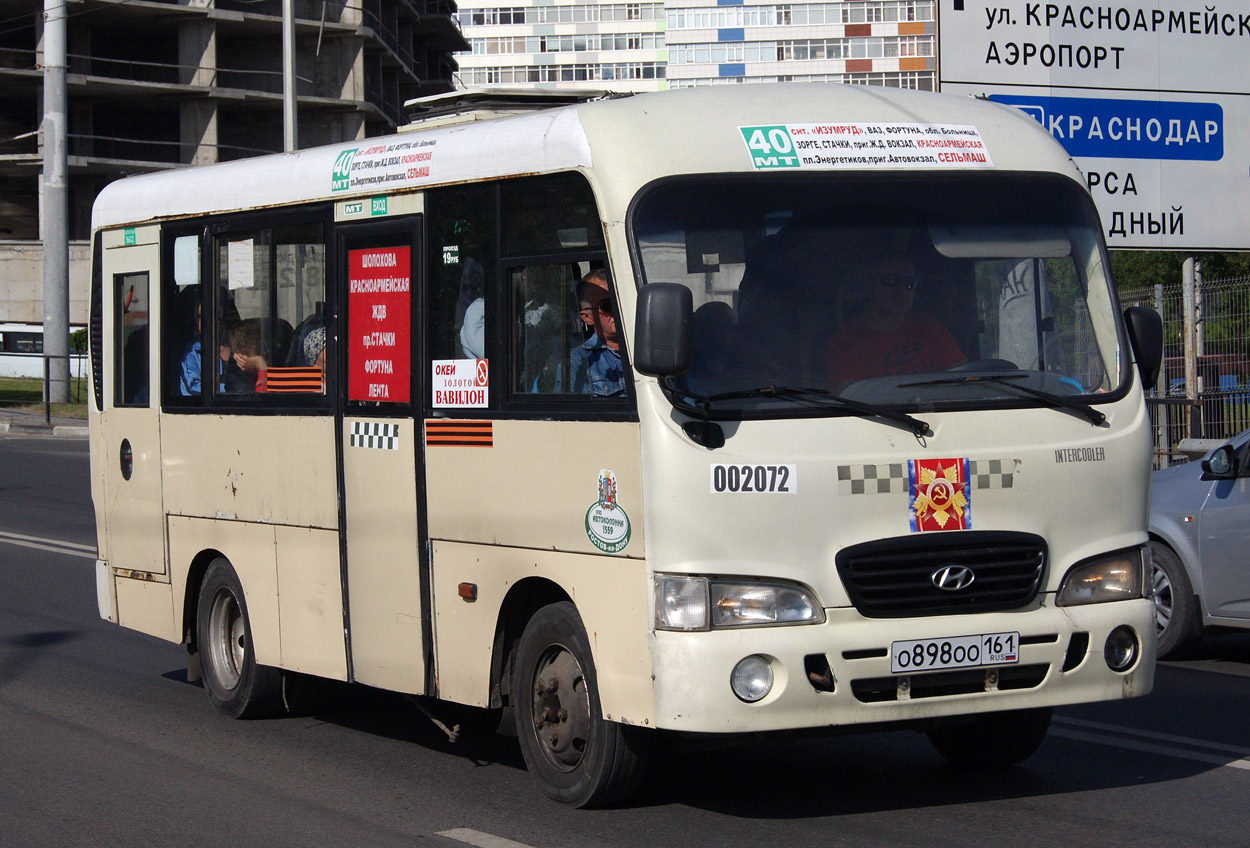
993, 473
374, 435
892, 479
872, 479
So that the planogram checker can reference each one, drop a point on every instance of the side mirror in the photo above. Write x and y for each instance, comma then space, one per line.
1145, 334
1221, 464
662, 330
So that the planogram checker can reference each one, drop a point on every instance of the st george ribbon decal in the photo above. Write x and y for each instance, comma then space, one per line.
939, 494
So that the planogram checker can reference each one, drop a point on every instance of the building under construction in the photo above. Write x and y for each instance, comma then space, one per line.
154, 85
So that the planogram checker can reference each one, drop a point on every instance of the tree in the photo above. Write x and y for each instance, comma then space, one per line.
1139, 269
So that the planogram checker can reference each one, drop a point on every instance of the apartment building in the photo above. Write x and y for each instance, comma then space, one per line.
680, 43
154, 85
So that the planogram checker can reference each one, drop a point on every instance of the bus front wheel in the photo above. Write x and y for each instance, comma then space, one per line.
573, 754
235, 683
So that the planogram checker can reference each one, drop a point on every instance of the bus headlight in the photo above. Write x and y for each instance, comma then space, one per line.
1113, 577
700, 603
748, 604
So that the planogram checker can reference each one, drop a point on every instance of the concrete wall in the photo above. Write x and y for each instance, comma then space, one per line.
21, 282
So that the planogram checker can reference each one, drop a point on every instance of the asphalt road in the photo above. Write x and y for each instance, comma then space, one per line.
103, 742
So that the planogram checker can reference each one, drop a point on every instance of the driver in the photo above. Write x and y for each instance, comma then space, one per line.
885, 337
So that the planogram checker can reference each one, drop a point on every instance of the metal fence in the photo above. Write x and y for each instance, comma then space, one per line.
1215, 358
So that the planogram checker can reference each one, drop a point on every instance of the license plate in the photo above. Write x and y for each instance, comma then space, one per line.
954, 652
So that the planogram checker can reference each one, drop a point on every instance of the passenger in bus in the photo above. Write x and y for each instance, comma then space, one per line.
712, 336
315, 348
885, 337
189, 361
473, 330
295, 355
249, 343
763, 352
595, 365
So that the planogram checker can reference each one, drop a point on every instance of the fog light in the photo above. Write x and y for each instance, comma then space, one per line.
752, 678
1121, 649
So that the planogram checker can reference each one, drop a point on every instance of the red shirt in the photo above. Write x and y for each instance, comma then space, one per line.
921, 346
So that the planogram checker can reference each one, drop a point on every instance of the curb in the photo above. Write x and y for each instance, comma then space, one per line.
72, 431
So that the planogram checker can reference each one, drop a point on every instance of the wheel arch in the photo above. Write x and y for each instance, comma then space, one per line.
191, 595
520, 604
1180, 543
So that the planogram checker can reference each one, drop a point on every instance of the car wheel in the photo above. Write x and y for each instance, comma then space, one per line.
573, 754
235, 683
1170, 589
990, 740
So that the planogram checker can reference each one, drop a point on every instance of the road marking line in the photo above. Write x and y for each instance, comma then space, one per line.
480, 839
1150, 734
55, 545
1150, 748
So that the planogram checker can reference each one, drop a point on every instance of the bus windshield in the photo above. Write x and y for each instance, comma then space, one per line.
901, 292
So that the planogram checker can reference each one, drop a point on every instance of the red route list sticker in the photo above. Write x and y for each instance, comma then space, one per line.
379, 324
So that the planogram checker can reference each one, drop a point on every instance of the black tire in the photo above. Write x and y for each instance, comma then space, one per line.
991, 740
573, 754
1175, 612
236, 685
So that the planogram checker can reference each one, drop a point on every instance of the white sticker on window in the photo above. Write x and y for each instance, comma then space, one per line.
754, 479
460, 383
239, 263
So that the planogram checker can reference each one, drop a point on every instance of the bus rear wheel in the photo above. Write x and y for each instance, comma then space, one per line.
573, 754
236, 685
990, 740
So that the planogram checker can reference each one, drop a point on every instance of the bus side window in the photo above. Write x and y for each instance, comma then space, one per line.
545, 326
461, 271
268, 308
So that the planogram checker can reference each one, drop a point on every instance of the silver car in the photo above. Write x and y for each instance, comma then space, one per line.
1200, 538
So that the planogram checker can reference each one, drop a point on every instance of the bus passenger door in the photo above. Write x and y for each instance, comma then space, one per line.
133, 528
381, 454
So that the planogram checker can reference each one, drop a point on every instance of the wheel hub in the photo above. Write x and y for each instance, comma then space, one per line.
561, 708
1161, 594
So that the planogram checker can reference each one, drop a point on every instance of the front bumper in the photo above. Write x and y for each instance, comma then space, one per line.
1057, 665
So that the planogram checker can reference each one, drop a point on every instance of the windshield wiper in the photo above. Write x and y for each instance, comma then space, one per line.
1080, 407
824, 398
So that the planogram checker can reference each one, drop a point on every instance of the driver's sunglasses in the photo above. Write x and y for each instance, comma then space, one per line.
604, 306
907, 282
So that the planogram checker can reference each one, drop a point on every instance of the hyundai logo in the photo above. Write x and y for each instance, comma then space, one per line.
953, 578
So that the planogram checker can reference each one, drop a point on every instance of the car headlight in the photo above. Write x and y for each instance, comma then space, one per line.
1112, 577
699, 603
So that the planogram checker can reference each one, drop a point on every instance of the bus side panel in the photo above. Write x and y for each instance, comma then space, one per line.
146, 606
250, 549
533, 484
271, 469
611, 598
310, 602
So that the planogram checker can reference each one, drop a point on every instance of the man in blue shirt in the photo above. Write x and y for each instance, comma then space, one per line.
595, 366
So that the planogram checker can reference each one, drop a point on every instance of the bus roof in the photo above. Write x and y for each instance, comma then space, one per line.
643, 138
